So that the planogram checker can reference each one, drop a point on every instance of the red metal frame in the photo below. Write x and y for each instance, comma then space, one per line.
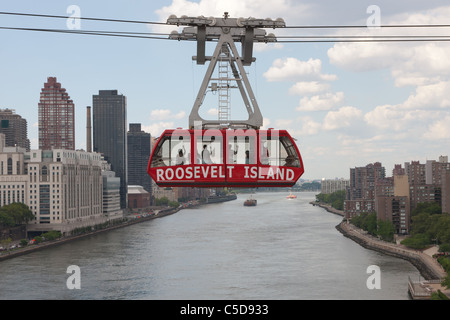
224, 174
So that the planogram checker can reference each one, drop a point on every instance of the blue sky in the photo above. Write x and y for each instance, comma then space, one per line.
347, 104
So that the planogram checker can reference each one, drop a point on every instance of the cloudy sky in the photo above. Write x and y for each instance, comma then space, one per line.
347, 104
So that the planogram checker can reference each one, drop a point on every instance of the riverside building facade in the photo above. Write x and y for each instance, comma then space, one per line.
63, 188
394, 198
66, 190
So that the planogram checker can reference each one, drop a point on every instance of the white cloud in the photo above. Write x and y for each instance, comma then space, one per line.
283, 123
292, 69
430, 97
213, 112
164, 114
308, 87
360, 57
266, 123
342, 118
156, 129
322, 102
309, 127
439, 129
410, 63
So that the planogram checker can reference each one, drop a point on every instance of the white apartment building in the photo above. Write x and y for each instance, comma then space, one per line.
330, 186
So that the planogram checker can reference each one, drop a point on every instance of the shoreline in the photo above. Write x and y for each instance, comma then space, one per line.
52, 243
428, 267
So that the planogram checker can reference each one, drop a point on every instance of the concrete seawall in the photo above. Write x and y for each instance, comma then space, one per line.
328, 208
428, 267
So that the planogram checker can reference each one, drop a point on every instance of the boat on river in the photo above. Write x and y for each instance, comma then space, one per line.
291, 196
250, 202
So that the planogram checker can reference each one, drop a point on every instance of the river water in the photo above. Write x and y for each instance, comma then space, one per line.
280, 249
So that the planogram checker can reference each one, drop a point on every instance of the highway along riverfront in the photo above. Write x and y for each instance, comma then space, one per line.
279, 249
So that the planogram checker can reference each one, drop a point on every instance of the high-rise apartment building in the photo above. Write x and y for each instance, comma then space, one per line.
329, 185
360, 195
14, 127
109, 124
138, 157
56, 117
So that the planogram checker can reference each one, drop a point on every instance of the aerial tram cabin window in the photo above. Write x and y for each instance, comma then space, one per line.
172, 150
278, 150
209, 146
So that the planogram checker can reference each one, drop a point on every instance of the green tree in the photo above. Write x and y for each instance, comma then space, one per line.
438, 295
446, 281
386, 230
426, 207
52, 235
335, 199
418, 241
6, 220
14, 214
6, 242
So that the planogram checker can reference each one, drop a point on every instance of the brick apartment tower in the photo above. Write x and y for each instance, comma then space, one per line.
56, 117
14, 127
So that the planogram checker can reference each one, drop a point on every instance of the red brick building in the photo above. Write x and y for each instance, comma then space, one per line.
56, 117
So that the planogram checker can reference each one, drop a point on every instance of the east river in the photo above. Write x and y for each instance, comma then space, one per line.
280, 249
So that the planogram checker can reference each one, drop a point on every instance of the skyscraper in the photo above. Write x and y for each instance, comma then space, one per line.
56, 117
138, 156
14, 127
109, 122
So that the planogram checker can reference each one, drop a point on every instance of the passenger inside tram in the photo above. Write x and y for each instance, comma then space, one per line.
181, 160
206, 155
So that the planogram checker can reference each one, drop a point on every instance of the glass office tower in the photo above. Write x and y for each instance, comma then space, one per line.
109, 122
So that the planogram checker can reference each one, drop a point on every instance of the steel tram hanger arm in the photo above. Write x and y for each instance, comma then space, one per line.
226, 31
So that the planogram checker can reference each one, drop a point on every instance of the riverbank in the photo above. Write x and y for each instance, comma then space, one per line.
131, 219
47, 244
328, 208
429, 268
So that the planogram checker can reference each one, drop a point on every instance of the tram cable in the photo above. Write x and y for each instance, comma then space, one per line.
283, 39
225, 152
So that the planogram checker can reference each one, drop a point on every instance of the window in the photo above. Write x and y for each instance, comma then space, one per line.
9, 166
172, 150
278, 150
209, 147
241, 147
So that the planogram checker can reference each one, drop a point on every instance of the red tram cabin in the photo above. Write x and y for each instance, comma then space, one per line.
225, 158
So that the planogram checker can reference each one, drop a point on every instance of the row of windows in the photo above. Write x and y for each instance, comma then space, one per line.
13, 186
